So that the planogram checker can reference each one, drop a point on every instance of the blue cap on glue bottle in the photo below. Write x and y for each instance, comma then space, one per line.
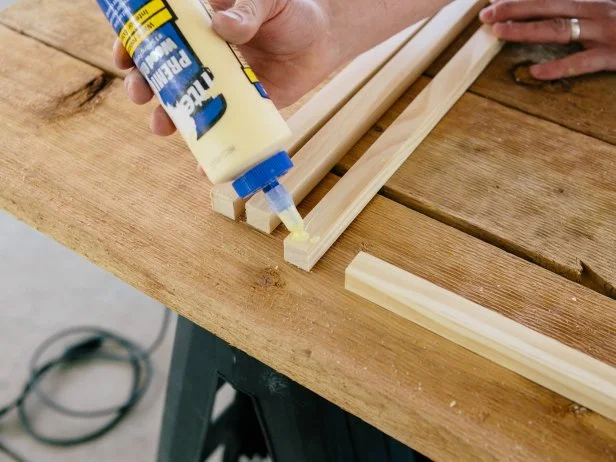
264, 177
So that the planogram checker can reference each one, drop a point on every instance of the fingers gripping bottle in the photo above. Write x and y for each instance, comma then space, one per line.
214, 98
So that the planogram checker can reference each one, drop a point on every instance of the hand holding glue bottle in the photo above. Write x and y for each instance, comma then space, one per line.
212, 96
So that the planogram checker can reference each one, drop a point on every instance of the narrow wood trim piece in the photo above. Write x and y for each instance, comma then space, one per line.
351, 194
329, 145
321, 107
531, 354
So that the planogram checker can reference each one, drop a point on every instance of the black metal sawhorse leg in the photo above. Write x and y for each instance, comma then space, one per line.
297, 424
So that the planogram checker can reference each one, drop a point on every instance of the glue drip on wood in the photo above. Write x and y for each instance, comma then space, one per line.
295, 224
281, 202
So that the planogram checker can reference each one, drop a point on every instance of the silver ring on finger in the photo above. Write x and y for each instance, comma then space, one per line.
576, 29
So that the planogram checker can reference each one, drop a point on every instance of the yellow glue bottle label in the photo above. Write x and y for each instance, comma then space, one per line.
214, 98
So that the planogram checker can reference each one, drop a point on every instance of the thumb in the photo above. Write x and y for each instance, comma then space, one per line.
240, 23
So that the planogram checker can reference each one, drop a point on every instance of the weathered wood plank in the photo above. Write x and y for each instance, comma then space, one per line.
585, 104
78, 27
92, 177
535, 188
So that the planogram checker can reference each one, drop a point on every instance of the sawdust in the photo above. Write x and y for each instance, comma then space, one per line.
577, 409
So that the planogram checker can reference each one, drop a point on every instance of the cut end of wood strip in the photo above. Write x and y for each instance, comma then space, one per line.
261, 218
531, 354
299, 253
226, 202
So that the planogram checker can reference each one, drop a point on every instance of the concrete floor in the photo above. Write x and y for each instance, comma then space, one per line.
45, 288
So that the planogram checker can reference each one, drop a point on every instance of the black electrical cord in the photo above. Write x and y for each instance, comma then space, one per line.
96, 344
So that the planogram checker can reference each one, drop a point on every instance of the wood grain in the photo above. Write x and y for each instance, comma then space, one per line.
363, 181
535, 356
315, 111
82, 167
332, 142
532, 187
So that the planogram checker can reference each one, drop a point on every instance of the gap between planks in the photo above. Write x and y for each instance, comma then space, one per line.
332, 142
335, 212
321, 107
533, 355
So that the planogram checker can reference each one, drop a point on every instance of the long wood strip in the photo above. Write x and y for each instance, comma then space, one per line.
535, 356
330, 144
78, 164
328, 220
321, 107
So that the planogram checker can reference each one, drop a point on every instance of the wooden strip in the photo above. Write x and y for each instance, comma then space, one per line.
346, 200
78, 164
535, 356
330, 144
321, 107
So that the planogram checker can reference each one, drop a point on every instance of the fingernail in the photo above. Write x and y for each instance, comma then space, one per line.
486, 14
234, 15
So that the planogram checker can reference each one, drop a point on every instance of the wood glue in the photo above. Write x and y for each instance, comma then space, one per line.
213, 97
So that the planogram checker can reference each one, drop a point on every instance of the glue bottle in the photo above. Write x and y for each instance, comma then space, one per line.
213, 97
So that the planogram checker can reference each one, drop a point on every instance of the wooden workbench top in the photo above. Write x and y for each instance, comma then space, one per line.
509, 203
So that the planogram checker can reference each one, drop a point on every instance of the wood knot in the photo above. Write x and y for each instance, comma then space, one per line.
79, 100
270, 277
